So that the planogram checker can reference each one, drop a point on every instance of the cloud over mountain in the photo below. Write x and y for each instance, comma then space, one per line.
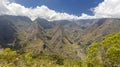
108, 8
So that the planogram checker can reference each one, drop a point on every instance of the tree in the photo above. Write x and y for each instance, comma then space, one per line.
93, 59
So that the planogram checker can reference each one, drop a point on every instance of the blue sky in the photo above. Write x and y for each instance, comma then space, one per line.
75, 7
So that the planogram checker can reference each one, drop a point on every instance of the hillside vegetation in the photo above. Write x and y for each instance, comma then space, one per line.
100, 54
105, 53
60, 43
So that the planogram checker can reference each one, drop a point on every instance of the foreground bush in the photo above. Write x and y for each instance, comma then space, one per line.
10, 58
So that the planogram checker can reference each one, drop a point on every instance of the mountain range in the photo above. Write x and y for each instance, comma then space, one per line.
64, 37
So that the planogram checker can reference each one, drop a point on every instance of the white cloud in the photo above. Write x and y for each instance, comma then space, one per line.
10, 8
3, 6
108, 8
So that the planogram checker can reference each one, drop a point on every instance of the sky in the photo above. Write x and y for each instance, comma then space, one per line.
61, 9
75, 7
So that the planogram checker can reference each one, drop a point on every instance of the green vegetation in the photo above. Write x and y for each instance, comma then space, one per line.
105, 53
102, 54
11, 58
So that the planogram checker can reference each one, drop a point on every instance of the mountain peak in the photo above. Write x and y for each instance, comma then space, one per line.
35, 31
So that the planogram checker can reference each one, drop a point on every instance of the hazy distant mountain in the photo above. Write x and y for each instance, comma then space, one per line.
44, 23
18, 21
85, 22
50, 24
100, 29
62, 22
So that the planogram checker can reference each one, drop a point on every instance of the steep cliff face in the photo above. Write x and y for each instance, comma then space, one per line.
61, 44
100, 29
13, 29
35, 31
7, 32
36, 39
